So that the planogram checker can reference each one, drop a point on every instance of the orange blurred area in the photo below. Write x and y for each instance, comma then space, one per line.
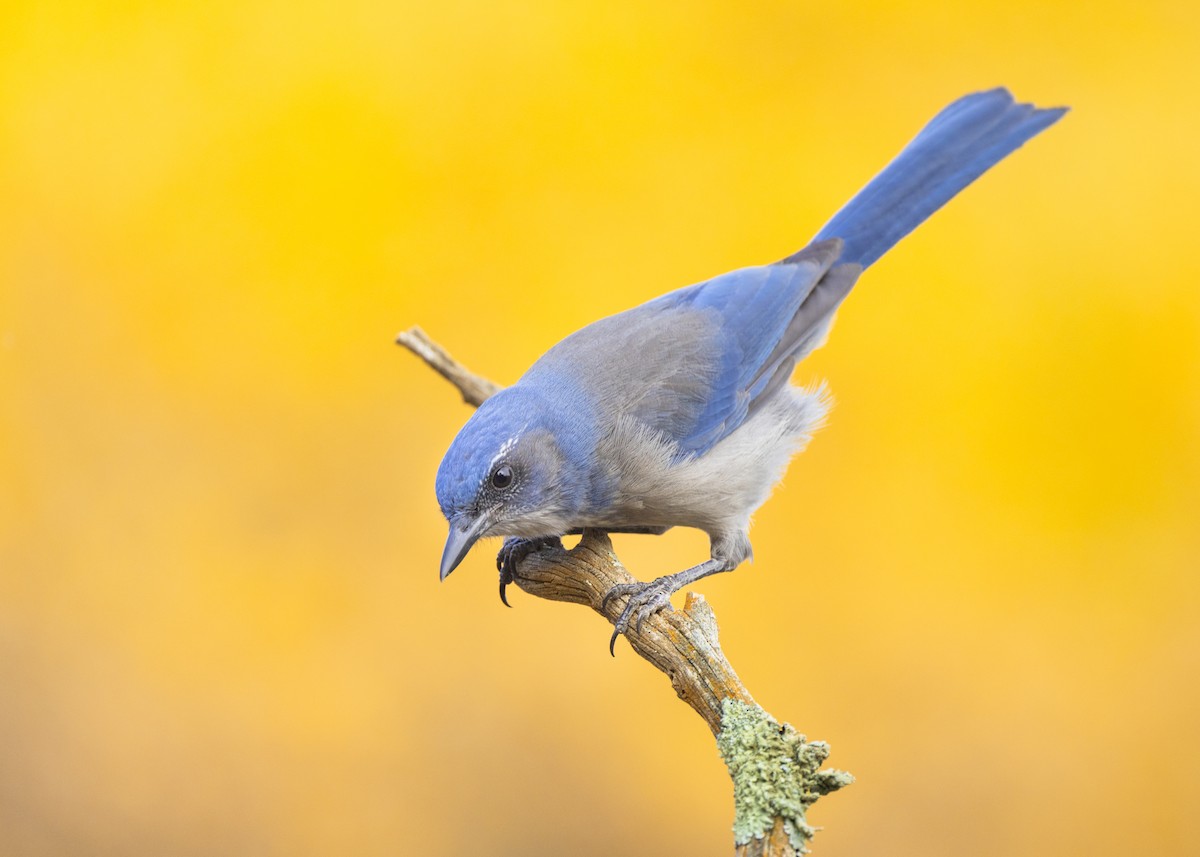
221, 630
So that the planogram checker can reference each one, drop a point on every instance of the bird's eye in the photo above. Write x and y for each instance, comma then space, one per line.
502, 477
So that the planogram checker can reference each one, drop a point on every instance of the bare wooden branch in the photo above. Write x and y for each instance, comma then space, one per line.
775, 770
474, 388
681, 643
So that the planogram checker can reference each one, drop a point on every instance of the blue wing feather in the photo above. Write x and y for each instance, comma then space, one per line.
756, 307
694, 363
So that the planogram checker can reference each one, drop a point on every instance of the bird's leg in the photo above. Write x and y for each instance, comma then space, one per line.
646, 599
513, 551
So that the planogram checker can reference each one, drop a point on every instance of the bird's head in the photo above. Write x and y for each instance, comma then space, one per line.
504, 475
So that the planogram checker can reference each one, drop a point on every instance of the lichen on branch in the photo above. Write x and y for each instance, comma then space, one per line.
776, 774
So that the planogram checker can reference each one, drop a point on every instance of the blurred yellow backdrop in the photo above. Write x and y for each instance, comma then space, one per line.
221, 630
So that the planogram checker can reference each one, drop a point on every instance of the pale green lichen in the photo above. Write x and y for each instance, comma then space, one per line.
775, 773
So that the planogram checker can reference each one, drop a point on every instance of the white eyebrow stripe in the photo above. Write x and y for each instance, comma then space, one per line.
504, 450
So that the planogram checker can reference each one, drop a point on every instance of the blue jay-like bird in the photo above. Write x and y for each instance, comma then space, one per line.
679, 412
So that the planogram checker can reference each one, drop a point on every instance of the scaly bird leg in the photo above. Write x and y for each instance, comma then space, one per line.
646, 599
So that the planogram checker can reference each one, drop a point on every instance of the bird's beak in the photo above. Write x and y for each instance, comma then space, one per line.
463, 534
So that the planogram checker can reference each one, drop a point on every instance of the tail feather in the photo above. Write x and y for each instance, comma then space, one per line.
962, 142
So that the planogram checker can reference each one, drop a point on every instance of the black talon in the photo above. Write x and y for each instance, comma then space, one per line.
621, 625
616, 592
645, 599
504, 565
513, 552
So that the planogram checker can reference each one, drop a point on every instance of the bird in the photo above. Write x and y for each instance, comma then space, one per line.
680, 411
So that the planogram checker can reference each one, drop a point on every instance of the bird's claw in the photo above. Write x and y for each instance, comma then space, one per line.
513, 552
645, 599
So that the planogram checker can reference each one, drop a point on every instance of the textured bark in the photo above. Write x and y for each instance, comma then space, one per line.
682, 644
474, 389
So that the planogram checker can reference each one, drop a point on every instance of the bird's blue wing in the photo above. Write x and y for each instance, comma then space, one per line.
694, 363
764, 317
753, 307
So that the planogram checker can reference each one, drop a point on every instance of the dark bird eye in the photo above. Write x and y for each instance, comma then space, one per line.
502, 476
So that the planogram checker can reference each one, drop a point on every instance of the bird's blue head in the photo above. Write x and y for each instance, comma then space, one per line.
506, 475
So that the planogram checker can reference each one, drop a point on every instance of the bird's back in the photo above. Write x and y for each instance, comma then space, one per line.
692, 365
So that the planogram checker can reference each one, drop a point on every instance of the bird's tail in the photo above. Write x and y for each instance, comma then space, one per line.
962, 142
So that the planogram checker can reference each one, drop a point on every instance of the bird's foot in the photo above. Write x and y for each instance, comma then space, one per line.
645, 599
513, 552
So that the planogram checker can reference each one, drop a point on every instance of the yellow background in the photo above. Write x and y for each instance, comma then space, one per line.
221, 630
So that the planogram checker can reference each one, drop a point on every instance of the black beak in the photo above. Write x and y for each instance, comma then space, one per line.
458, 543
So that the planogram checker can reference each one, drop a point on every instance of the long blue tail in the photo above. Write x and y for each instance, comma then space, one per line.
961, 143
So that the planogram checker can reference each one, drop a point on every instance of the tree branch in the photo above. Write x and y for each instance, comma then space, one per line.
775, 770
474, 388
